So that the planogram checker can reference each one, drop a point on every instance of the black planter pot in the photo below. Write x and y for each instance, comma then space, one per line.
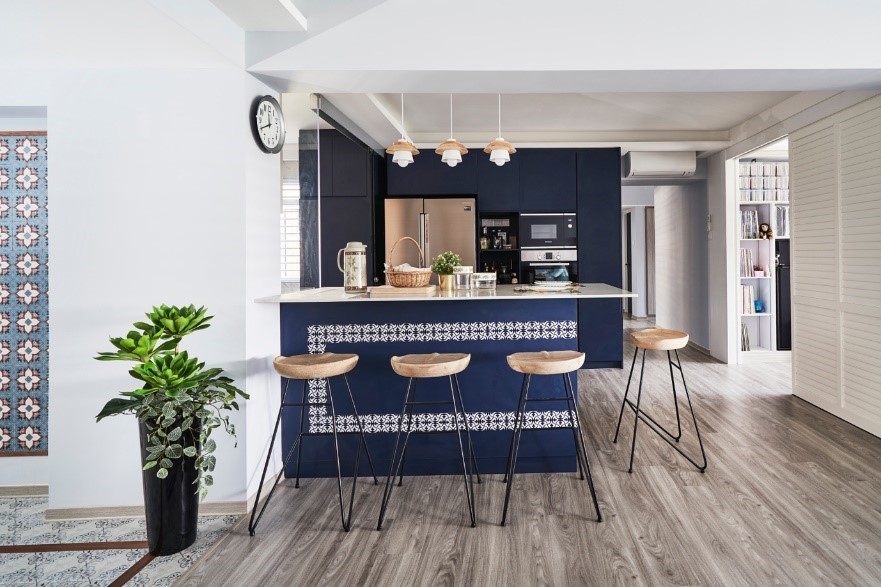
171, 504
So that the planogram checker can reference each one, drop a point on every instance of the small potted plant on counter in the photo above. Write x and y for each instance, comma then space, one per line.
443, 265
178, 405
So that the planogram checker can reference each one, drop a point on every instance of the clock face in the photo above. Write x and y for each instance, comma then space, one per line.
269, 125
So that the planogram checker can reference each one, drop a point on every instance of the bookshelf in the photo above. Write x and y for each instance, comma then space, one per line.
762, 199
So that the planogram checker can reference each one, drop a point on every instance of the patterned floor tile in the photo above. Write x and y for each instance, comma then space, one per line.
22, 521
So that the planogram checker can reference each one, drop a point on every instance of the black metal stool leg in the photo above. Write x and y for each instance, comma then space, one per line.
255, 516
580, 446
703, 467
303, 409
467, 429
626, 391
573, 424
636, 418
675, 402
387, 493
467, 472
360, 430
520, 403
346, 519
407, 438
515, 446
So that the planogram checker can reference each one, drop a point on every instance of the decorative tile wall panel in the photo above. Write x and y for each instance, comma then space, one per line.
24, 290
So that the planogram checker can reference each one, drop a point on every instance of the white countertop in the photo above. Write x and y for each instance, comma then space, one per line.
501, 292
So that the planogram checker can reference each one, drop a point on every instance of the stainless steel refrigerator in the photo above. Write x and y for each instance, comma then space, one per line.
437, 224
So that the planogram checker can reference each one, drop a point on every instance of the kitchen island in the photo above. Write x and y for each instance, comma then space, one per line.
488, 324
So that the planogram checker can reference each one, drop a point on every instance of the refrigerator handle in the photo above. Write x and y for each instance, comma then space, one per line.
425, 236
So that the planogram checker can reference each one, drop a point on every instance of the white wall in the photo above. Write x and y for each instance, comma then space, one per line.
720, 280
159, 195
681, 260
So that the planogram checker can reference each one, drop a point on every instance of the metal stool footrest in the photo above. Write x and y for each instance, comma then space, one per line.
345, 515
396, 466
577, 436
654, 426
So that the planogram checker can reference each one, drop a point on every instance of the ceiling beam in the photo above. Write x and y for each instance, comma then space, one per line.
295, 12
396, 123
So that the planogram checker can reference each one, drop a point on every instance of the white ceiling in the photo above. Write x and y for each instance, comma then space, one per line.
653, 121
640, 75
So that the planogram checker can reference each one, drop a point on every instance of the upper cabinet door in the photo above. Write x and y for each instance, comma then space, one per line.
498, 188
350, 168
547, 180
428, 176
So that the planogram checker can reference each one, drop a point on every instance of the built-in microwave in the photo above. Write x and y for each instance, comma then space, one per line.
548, 231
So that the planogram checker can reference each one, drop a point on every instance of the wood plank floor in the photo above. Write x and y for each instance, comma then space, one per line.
792, 496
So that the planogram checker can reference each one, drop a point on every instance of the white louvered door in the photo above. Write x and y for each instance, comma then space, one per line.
835, 169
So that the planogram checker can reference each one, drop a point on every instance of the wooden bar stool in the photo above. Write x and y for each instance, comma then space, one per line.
548, 363
307, 367
660, 339
423, 367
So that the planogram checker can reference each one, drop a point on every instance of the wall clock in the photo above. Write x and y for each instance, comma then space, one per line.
267, 122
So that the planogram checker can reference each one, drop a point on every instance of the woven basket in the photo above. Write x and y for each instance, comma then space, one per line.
418, 278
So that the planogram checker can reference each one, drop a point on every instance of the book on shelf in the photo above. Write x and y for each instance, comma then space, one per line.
749, 224
748, 299
746, 263
782, 221
744, 337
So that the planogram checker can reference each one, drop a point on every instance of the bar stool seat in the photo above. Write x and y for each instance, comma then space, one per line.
316, 366
433, 365
425, 366
660, 339
548, 363
305, 368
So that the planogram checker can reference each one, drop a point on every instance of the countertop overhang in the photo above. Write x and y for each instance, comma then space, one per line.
501, 292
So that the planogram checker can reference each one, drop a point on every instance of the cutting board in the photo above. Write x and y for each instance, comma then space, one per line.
387, 291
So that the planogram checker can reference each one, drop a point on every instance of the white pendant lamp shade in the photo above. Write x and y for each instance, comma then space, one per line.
500, 150
451, 150
403, 149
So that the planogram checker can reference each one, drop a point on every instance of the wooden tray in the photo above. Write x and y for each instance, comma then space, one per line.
387, 291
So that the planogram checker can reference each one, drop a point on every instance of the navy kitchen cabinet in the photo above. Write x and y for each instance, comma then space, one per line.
547, 180
351, 163
351, 175
428, 176
344, 219
498, 188
600, 335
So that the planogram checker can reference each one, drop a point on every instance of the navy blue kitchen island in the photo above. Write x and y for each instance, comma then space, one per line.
488, 324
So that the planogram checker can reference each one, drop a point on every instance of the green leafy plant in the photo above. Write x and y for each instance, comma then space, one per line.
443, 264
179, 400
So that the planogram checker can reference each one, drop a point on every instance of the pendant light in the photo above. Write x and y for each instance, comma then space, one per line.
403, 149
500, 150
451, 150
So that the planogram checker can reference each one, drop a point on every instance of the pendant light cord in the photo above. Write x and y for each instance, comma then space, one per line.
451, 116
403, 132
500, 115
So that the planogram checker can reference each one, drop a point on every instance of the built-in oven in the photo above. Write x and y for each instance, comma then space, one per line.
548, 231
538, 265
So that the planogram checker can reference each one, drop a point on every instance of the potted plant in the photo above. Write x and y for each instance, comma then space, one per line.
758, 271
443, 265
178, 405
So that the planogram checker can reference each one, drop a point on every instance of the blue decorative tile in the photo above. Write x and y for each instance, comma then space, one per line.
24, 294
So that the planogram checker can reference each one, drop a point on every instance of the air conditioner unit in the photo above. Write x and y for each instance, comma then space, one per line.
660, 164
